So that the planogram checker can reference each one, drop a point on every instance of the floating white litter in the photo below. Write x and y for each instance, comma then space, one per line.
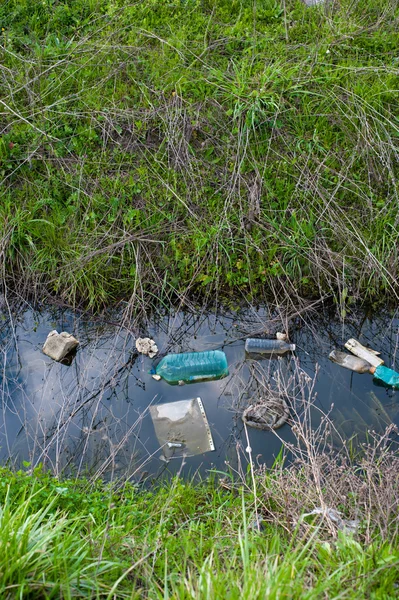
182, 428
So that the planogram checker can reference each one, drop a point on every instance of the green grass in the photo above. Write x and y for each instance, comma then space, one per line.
187, 148
178, 540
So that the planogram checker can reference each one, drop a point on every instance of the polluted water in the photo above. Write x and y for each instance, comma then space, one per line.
100, 413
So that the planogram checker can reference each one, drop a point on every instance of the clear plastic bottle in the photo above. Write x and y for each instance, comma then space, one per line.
190, 367
262, 346
353, 363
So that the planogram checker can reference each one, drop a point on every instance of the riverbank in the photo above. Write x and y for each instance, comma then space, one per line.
222, 538
113, 524
199, 149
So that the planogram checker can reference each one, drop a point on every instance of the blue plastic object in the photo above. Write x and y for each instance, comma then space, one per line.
262, 346
387, 376
191, 367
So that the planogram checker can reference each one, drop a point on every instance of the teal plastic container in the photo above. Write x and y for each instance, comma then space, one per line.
387, 376
192, 367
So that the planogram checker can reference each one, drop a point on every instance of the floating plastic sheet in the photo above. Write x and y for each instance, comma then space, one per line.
182, 428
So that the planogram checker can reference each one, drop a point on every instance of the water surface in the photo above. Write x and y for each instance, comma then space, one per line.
93, 415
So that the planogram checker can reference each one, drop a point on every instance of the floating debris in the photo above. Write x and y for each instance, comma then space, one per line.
388, 377
58, 345
269, 413
281, 336
348, 361
182, 428
366, 353
267, 346
146, 346
191, 367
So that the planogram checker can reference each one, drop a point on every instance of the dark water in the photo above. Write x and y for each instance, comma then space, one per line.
93, 416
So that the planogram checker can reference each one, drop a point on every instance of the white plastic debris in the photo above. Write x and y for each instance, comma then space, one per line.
182, 428
314, 2
281, 336
146, 346
58, 345
257, 524
365, 353
350, 526
157, 377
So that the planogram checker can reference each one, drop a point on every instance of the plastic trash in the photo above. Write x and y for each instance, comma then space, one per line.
270, 413
350, 526
175, 445
182, 428
146, 346
281, 336
191, 367
387, 376
257, 524
314, 2
262, 346
350, 362
365, 353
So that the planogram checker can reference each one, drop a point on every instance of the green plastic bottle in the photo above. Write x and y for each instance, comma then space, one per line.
190, 367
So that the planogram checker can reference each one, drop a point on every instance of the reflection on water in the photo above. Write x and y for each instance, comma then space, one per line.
94, 416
